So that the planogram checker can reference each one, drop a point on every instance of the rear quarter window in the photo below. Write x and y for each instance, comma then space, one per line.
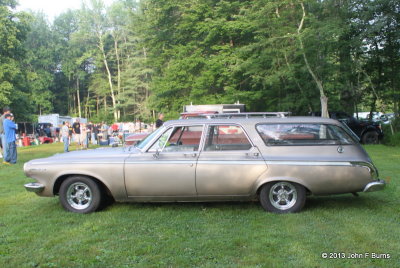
302, 134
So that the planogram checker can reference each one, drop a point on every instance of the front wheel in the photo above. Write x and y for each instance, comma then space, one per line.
282, 197
80, 194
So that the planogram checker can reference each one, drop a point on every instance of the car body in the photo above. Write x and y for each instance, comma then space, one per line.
369, 132
275, 160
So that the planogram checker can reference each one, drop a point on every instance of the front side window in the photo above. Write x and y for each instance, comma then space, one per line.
141, 144
303, 134
183, 138
226, 138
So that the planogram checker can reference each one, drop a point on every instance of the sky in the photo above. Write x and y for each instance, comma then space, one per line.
52, 8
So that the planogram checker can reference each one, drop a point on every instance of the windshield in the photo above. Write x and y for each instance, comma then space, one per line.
146, 140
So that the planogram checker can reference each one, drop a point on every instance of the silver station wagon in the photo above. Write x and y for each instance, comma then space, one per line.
276, 160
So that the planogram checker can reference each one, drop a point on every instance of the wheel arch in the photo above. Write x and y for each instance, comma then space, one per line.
369, 129
286, 179
62, 178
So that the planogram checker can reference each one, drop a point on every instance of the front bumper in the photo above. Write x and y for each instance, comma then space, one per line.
377, 185
34, 187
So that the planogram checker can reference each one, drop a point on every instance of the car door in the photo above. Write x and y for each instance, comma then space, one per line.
168, 168
229, 163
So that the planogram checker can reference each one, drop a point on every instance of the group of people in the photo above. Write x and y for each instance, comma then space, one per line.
81, 133
8, 137
77, 132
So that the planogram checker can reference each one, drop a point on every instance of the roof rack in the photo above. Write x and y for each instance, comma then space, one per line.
248, 115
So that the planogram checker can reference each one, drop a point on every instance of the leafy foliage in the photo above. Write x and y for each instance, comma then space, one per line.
133, 59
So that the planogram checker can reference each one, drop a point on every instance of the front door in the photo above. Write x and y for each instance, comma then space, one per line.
168, 168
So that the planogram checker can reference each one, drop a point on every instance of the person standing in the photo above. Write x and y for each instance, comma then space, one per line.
104, 130
10, 129
76, 130
6, 110
95, 132
84, 136
89, 128
160, 121
65, 135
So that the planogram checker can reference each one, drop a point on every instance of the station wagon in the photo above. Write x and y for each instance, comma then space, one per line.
277, 160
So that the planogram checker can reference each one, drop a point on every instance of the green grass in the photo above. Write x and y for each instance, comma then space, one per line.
37, 232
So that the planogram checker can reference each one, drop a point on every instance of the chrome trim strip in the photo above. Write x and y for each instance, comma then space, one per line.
375, 186
233, 162
76, 162
308, 163
34, 187
372, 169
161, 162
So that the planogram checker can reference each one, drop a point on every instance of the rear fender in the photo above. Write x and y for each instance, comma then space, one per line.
262, 182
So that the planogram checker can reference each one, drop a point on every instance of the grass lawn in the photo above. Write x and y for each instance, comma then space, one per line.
37, 232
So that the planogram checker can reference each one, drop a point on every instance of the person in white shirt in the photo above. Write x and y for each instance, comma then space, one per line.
65, 136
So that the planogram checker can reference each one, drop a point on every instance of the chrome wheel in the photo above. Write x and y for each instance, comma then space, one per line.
79, 195
283, 195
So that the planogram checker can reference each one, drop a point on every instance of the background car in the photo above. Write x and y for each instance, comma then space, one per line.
369, 132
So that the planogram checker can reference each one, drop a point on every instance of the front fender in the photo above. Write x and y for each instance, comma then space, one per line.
109, 177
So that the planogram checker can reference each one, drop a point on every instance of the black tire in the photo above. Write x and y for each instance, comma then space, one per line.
282, 197
81, 194
370, 137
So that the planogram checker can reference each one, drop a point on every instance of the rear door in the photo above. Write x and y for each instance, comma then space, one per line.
229, 164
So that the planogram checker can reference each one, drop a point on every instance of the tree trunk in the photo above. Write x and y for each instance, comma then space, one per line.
97, 106
323, 97
87, 105
101, 47
297, 83
145, 59
118, 75
78, 97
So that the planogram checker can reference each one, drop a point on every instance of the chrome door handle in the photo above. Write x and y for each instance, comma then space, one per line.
191, 155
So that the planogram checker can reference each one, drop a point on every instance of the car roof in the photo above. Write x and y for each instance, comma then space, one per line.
254, 120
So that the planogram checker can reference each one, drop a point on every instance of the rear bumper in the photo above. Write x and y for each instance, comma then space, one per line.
34, 187
377, 185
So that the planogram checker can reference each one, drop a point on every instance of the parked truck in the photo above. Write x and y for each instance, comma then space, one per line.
57, 120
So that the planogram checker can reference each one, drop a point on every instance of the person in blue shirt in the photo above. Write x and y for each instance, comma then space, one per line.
6, 110
9, 130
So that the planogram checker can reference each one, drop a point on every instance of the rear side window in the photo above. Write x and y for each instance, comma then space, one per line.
302, 134
226, 138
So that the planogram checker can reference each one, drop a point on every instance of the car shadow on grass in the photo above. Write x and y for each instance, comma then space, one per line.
313, 203
190, 206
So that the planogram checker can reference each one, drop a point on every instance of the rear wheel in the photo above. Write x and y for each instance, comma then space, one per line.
80, 194
371, 137
282, 197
